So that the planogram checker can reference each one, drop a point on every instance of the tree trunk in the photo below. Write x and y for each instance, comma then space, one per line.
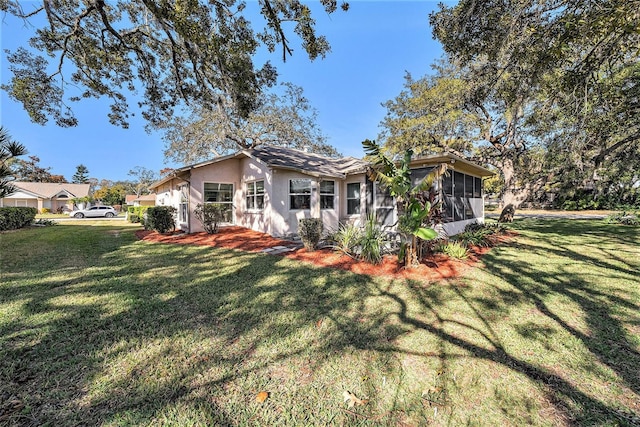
513, 193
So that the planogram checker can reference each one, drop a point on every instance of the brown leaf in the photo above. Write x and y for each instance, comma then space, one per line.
352, 400
262, 396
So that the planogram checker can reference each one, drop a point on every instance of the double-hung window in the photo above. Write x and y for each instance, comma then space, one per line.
299, 194
255, 195
353, 198
327, 194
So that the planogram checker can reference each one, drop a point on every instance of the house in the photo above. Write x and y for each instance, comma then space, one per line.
269, 189
144, 200
57, 197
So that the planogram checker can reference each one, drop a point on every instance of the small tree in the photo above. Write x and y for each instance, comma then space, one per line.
413, 209
81, 176
210, 216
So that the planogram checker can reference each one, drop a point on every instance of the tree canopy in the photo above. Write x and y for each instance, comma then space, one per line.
172, 53
547, 91
573, 63
280, 119
81, 176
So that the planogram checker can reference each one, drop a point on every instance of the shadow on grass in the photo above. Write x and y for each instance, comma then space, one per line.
133, 333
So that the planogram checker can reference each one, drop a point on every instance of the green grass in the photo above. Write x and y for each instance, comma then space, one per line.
97, 328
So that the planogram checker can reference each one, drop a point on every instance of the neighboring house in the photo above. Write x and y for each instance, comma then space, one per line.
269, 189
145, 200
41, 195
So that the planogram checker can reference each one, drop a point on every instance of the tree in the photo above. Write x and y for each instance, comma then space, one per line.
9, 151
143, 179
285, 119
579, 61
110, 194
469, 113
81, 176
31, 171
413, 208
177, 53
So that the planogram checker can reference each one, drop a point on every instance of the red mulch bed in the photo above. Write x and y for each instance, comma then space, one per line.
432, 268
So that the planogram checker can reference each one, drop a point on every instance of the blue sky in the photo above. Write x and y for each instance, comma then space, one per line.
373, 44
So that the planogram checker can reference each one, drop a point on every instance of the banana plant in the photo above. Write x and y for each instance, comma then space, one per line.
412, 212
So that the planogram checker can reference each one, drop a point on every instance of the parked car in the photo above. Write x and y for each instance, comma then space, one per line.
94, 211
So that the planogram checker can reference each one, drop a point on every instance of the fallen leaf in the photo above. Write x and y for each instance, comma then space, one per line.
352, 399
262, 396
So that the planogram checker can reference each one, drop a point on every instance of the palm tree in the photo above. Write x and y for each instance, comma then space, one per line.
413, 210
8, 150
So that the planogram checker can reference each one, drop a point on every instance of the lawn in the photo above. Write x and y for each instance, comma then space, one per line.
97, 328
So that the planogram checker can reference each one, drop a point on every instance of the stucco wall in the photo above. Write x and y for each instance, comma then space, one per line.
256, 219
285, 220
224, 172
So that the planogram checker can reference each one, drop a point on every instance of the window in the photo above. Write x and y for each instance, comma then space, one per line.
383, 205
255, 195
220, 193
327, 194
183, 208
458, 191
477, 188
353, 198
299, 194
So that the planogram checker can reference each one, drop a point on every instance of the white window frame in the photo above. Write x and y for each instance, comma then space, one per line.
253, 195
230, 202
359, 198
303, 194
183, 203
327, 194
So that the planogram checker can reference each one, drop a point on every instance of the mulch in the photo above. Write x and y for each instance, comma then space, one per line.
432, 268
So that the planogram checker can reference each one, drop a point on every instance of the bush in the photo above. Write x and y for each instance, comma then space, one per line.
372, 241
45, 211
310, 231
160, 218
347, 239
12, 218
623, 218
136, 213
210, 216
454, 249
482, 235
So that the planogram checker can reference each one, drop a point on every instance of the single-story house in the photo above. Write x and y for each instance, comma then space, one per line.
40, 195
270, 188
144, 200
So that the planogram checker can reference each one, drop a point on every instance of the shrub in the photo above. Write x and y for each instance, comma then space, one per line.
160, 218
12, 218
347, 239
45, 211
454, 249
45, 222
136, 213
310, 231
624, 218
372, 241
210, 216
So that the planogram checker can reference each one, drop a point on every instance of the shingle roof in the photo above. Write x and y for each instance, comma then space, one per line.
309, 163
50, 189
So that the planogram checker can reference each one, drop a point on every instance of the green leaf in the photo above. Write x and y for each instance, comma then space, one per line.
426, 233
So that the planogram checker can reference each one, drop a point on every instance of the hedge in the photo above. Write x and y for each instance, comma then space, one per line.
12, 218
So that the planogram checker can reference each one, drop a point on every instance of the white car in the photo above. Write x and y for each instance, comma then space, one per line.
94, 211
